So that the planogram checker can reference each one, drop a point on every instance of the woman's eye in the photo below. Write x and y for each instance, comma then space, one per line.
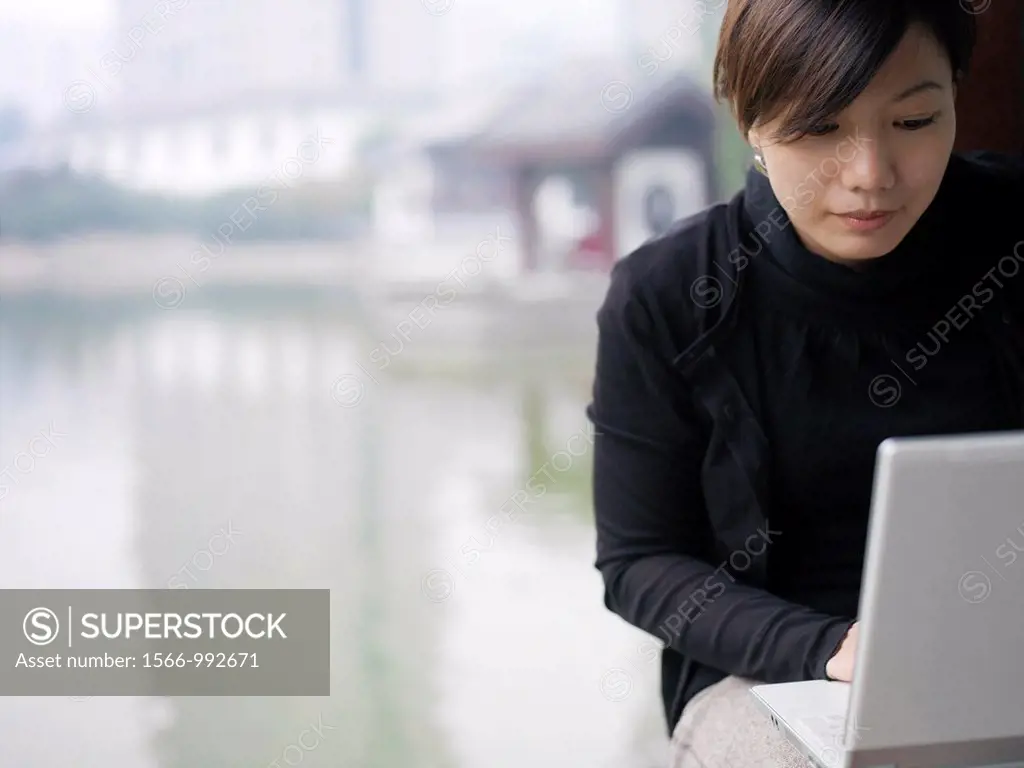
823, 129
918, 124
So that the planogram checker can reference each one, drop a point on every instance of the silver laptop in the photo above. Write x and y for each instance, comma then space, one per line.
939, 678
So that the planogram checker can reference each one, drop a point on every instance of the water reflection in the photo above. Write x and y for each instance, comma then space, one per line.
206, 450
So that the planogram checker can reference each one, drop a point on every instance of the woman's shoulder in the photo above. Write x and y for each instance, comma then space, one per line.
666, 268
990, 161
676, 287
986, 191
985, 219
984, 175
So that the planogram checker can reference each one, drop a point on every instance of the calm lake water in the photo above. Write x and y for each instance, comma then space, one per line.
461, 638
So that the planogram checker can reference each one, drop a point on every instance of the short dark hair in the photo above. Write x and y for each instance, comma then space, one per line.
807, 60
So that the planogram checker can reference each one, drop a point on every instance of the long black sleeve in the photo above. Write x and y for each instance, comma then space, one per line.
653, 527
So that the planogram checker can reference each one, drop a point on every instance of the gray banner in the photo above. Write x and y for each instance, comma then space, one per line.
152, 642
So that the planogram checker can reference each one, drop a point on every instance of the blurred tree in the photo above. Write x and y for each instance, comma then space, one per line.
45, 205
732, 155
55, 204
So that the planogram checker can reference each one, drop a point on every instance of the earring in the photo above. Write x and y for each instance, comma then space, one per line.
759, 161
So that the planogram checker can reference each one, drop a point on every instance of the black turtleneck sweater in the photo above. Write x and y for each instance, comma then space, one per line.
833, 360
849, 357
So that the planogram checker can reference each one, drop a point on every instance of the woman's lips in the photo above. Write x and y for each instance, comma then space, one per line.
866, 221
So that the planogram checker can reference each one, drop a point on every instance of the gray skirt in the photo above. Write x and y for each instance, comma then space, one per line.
721, 727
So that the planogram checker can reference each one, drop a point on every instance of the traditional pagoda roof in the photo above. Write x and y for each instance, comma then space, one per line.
588, 110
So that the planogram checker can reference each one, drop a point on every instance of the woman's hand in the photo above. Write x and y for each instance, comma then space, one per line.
840, 666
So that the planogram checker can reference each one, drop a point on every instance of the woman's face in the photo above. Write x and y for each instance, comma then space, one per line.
881, 159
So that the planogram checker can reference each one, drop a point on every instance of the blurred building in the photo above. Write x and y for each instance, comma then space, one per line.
40, 61
580, 169
198, 96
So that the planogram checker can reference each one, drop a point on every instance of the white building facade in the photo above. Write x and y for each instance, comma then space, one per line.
198, 96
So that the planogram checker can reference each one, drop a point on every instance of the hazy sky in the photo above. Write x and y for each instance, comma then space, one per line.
480, 23
64, 12
480, 36
596, 13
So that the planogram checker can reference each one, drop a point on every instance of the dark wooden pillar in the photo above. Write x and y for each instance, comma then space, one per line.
526, 181
990, 105
607, 199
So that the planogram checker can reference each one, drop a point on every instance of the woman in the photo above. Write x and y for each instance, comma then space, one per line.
863, 285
